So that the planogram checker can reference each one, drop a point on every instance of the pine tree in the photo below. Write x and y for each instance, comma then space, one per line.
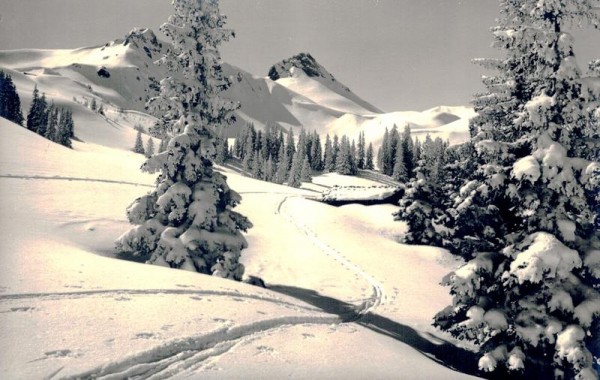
328, 155
163, 146
149, 150
295, 171
369, 158
409, 149
305, 172
335, 151
64, 129
290, 150
139, 144
10, 103
361, 151
187, 221
37, 118
400, 173
527, 212
281, 173
52, 127
344, 161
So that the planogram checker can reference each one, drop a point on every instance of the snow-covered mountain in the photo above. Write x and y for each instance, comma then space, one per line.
297, 93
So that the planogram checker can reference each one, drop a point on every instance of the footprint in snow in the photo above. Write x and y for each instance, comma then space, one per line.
19, 309
143, 336
60, 354
307, 335
265, 349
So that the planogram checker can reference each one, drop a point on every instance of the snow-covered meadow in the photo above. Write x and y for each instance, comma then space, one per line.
343, 297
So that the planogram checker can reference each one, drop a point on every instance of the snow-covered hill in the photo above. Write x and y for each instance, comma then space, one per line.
299, 92
68, 309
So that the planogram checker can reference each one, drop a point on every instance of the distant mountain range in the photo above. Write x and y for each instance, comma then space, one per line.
297, 93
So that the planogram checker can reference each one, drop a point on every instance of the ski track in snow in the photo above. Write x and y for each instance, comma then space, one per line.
59, 178
190, 353
145, 292
378, 296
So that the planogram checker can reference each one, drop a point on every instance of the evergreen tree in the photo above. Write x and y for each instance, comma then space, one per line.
65, 128
187, 221
344, 161
316, 156
52, 127
361, 151
222, 150
10, 103
328, 155
295, 171
305, 172
163, 146
37, 118
281, 174
409, 151
149, 150
336, 151
290, 149
139, 144
400, 173
526, 214
369, 158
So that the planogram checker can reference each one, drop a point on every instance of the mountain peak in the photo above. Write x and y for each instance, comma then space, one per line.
303, 61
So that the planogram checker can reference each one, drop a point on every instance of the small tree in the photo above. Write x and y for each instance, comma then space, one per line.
149, 151
10, 103
305, 172
188, 221
139, 144
369, 158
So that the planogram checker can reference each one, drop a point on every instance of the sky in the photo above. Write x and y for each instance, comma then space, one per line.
396, 54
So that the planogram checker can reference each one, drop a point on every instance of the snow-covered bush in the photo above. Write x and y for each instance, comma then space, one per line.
188, 221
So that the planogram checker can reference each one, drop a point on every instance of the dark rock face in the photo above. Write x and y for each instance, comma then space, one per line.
303, 61
103, 73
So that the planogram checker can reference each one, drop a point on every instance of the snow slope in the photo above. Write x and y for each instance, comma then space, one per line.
298, 93
69, 309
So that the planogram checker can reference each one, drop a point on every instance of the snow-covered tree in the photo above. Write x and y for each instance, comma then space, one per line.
360, 162
52, 126
149, 150
328, 155
64, 131
369, 158
138, 147
10, 103
305, 172
530, 295
188, 221
37, 118
295, 171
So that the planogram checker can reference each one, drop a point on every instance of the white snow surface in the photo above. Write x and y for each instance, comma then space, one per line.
69, 309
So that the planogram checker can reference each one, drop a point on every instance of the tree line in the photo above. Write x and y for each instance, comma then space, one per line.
44, 118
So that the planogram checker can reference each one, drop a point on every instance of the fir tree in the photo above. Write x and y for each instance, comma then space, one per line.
281, 173
369, 158
400, 173
64, 129
52, 127
361, 151
409, 151
187, 221
328, 155
37, 116
10, 103
295, 171
526, 213
149, 150
305, 172
139, 144
163, 146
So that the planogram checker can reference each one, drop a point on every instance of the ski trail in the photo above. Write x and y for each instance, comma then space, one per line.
59, 178
377, 297
171, 358
145, 292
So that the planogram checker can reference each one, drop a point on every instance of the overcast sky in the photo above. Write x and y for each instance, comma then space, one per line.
396, 54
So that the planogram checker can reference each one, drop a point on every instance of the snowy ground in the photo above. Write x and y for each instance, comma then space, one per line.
345, 299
